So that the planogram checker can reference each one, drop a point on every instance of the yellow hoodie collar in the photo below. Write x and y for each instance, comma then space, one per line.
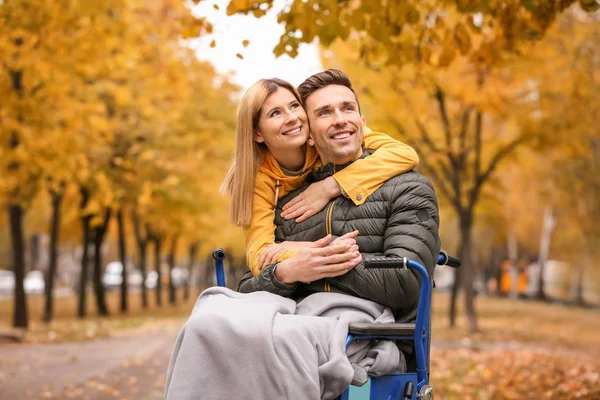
271, 167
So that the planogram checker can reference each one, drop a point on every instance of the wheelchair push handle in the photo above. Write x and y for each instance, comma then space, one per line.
445, 259
219, 254
385, 262
402, 262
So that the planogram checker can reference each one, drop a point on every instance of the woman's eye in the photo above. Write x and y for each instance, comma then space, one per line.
275, 113
295, 105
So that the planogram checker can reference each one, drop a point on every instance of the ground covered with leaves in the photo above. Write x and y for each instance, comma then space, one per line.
525, 350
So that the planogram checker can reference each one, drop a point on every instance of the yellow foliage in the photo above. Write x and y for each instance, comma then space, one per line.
105, 96
421, 25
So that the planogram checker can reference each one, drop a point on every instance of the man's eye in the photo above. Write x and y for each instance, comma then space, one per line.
349, 108
322, 113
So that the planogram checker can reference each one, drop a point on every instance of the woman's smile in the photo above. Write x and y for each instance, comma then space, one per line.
293, 131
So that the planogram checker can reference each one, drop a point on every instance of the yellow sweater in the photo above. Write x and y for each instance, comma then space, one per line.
359, 180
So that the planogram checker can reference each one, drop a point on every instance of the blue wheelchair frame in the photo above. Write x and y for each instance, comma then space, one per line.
394, 385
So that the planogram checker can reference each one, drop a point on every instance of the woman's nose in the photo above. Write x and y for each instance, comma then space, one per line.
290, 117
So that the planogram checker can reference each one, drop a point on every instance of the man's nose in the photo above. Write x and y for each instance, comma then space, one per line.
340, 119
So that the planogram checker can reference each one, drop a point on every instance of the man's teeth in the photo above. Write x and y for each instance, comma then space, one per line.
341, 135
292, 132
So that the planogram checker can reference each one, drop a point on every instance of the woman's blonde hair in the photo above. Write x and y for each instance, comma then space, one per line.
241, 177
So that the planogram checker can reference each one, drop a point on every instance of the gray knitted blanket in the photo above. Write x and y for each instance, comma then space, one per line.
263, 346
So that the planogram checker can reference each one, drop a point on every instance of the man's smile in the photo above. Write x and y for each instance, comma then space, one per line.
341, 135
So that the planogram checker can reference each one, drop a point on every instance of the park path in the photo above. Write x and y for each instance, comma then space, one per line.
128, 367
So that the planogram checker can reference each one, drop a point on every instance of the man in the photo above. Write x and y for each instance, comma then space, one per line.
261, 344
398, 219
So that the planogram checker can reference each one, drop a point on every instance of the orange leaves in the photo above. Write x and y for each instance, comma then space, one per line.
514, 374
110, 99
462, 38
258, 8
589, 5
412, 23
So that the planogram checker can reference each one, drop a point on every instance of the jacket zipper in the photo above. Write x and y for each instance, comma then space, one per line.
328, 221
328, 230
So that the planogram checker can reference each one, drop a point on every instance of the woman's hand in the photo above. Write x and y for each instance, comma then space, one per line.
312, 200
320, 261
271, 253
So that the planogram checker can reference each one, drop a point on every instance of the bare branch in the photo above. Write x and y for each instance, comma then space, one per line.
441, 99
463, 136
455, 167
426, 136
454, 199
500, 154
477, 162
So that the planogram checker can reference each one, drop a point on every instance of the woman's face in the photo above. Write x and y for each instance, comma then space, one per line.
282, 125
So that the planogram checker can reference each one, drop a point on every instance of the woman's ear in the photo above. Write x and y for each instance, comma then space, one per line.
258, 137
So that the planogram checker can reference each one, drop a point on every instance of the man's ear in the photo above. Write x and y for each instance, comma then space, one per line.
364, 120
257, 136
310, 141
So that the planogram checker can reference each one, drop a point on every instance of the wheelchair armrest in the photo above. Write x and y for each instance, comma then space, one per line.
372, 329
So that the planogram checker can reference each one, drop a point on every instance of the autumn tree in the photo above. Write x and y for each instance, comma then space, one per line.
73, 120
448, 63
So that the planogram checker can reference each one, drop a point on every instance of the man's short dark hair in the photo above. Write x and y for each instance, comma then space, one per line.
322, 79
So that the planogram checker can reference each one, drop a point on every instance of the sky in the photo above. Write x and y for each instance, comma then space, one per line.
259, 61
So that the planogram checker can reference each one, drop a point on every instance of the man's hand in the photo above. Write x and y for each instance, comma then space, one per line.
318, 262
348, 238
312, 200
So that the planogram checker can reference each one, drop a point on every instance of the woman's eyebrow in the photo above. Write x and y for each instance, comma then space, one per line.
273, 109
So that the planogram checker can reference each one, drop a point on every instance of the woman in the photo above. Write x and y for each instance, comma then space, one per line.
272, 159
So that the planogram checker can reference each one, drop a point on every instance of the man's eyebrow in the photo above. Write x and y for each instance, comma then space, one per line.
349, 103
321, 108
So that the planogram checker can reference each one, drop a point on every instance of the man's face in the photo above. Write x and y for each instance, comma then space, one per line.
337, 128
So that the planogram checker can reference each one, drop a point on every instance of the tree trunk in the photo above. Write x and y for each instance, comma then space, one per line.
193, 249
123, 257
464, 276
15, 213
547, 229
173, 250
157, 261
53, 261
513, 257
99, 233
142, 245
86, 231
468, 271
454, 293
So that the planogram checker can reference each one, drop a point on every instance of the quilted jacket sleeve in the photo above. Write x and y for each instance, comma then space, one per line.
265, 281
412, 231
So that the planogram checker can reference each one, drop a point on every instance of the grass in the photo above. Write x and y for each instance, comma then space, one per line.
67, 327
521, 321
500, 320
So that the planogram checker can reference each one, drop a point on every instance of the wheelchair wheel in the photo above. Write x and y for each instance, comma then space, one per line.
426, 393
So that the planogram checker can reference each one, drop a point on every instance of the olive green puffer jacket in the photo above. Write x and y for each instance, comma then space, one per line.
398, 219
